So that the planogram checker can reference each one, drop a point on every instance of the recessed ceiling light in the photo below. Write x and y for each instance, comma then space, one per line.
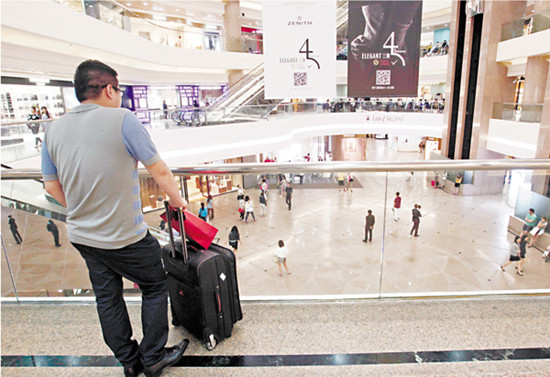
145, 4
177, 10
128, 4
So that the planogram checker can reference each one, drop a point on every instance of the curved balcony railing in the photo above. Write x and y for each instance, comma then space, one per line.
463, 239
22, 139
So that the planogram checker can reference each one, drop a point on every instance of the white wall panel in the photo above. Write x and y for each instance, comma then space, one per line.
517, 139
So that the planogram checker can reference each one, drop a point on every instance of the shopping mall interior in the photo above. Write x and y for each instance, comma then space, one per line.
470, 149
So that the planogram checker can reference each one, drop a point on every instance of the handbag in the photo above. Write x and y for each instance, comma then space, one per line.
196, 229
514, 251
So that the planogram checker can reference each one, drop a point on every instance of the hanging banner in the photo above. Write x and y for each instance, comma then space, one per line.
384, 51
299, 49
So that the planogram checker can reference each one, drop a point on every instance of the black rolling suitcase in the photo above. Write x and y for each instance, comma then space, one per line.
203, 288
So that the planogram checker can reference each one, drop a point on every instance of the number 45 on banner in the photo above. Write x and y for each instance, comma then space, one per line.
307, 51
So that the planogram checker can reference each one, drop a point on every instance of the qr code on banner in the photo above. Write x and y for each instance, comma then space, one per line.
383, 77
300, 78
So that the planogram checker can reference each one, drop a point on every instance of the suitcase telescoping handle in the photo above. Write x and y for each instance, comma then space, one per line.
181, 219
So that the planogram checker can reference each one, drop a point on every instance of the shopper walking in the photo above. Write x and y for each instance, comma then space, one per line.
416, 215
282, 254
282, 184
396, 206
35, 127
289, 195
14, 230
522, 252
341, 177
234, 238
52, 228
248, 208
349, 182
203, 212
83, 150
458, 182
263, 203
210, 207
369, 225
514, 254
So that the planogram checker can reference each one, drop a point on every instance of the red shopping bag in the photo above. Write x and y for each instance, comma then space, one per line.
196, 229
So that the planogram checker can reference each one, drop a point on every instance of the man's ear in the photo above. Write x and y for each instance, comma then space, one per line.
109, 91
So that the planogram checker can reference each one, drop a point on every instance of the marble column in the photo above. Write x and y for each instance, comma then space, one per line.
536, 73
451, 65
541, 178
232, 35
493, 86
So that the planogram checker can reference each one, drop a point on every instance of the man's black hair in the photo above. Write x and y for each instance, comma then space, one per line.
91, 77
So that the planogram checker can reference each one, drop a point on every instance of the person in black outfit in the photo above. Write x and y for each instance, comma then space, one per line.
289, 195
52, 228
14, 231
165, 109
369, 226
416, 215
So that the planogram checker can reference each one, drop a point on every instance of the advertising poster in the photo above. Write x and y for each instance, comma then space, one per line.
299, 49
384, 50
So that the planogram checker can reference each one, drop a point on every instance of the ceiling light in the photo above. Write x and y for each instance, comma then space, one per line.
128, 4
145, 4
159, 18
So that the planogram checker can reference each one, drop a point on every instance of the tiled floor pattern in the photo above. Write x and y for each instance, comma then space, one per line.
460, 337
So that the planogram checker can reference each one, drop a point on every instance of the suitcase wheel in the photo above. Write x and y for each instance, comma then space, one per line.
211, 343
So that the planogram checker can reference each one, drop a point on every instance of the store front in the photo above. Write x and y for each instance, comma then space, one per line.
17, 100
194, 188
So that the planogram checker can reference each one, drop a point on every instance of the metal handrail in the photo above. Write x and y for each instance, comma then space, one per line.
334, 166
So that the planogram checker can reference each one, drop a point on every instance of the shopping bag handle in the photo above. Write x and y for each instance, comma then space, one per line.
181, 220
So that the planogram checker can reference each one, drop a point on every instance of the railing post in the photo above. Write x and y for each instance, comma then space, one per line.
9, 268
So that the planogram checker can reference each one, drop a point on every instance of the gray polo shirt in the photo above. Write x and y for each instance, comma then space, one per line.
93, 151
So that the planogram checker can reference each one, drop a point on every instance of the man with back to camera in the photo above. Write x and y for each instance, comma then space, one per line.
89, 164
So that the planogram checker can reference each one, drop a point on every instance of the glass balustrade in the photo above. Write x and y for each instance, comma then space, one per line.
518, 112
526, 25
464, 235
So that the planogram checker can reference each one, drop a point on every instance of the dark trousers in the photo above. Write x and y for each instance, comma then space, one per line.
16, 235
250, 213
368, 233
56, 238
140, 263
289, 202
416, 224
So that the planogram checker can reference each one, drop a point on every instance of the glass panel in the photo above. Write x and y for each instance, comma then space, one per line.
526, 25
462, 240
517, 112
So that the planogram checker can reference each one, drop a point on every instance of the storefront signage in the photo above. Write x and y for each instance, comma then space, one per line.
384, 51
299, 40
